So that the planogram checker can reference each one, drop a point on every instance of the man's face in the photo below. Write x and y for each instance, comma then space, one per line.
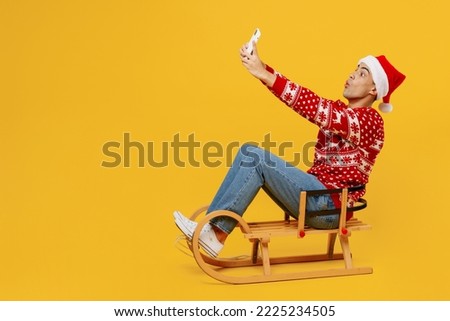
360, 84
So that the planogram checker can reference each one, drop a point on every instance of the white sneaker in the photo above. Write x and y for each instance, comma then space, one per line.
208, 240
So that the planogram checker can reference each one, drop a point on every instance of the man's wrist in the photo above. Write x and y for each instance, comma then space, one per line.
267, 78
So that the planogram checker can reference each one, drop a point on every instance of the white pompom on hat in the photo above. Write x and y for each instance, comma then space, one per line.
385, 77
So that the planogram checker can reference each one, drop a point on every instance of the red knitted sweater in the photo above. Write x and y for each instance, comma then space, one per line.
348, 141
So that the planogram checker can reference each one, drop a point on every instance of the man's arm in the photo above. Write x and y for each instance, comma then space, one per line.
327, 114
300, 99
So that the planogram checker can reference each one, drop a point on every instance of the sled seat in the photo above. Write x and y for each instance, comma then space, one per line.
290, 227
298, 227
260, 233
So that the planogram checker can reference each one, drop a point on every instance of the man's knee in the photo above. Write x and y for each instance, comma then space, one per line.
253, 155
246, 147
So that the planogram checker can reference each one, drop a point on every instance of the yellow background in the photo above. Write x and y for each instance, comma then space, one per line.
77, 74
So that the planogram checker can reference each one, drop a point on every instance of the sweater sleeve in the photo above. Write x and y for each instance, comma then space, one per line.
329, 115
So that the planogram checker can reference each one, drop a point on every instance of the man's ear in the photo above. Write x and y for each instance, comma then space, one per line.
373, 92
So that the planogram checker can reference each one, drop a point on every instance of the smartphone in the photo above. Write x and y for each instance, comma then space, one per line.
254, 38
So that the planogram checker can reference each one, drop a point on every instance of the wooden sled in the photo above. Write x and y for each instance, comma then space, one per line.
261, 233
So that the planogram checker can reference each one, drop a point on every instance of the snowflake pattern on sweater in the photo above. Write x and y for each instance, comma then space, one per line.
348, 141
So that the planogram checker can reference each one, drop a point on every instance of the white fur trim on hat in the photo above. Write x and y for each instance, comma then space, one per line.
378, 74
385, 107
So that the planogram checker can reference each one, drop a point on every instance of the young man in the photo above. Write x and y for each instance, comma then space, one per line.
350, 138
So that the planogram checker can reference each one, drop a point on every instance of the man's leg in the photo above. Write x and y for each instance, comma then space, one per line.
254, 168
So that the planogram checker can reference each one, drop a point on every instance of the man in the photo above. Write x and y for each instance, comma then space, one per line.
350, 138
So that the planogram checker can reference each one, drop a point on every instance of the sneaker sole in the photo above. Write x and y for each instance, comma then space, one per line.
184, 229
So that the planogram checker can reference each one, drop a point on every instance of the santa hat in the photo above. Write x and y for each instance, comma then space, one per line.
385, 77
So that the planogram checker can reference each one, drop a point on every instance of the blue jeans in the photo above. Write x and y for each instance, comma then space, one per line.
254, 168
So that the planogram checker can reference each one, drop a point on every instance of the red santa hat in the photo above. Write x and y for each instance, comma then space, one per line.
385, 77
